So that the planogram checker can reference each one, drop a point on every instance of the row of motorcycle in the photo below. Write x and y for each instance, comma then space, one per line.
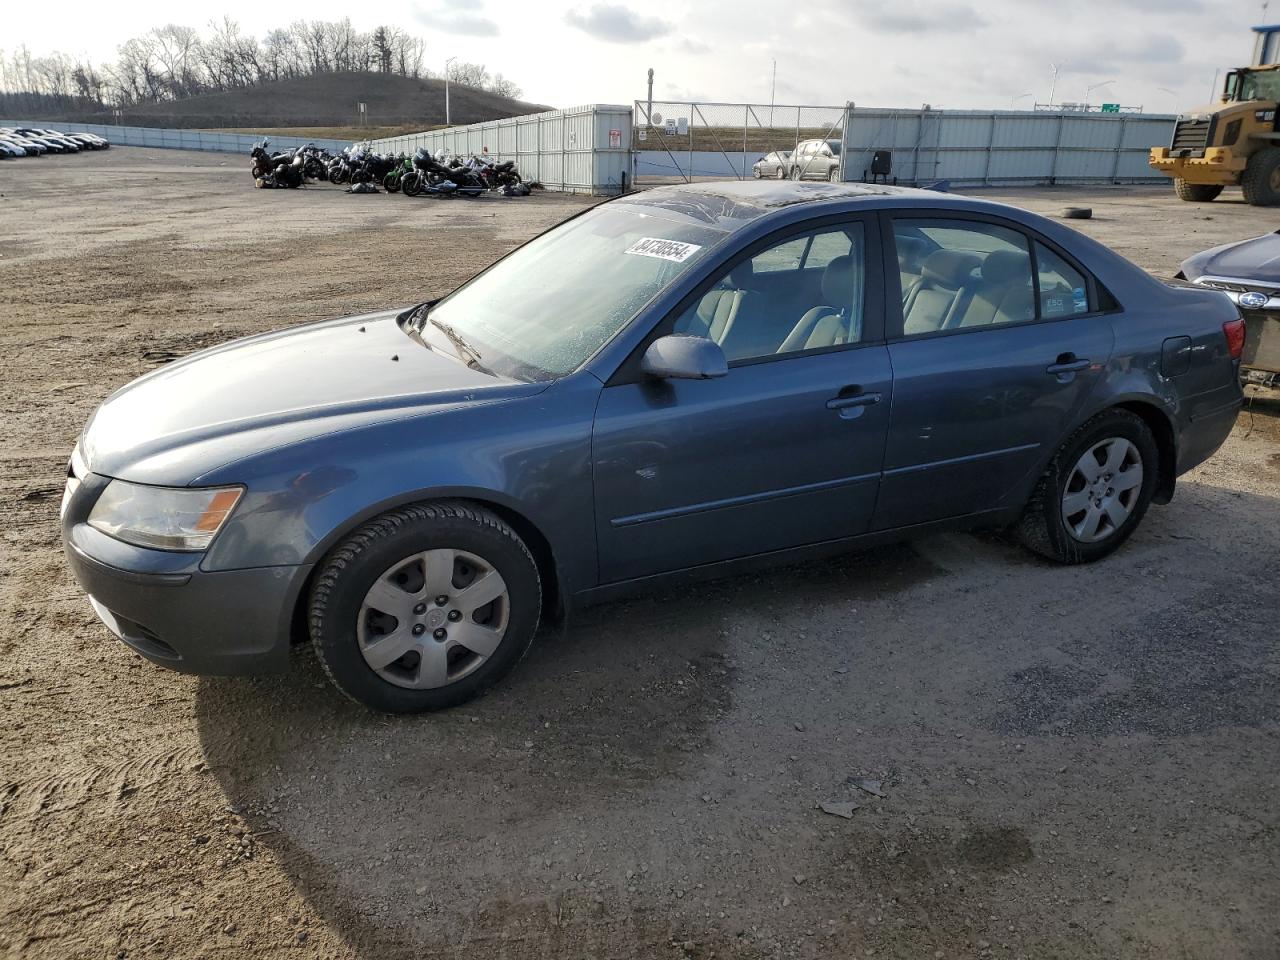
365, 170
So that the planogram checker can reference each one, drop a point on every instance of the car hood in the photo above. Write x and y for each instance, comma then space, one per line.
1256, 259
248, 396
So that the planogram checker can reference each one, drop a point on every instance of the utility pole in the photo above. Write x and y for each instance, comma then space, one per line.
447, 121
648, 116
773, 89
1053, 84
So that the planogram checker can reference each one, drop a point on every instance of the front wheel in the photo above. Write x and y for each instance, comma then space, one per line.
1196, 192
833, 175
425, 607
795, 173
781, 174
1094, 492
411, 184
1260, 182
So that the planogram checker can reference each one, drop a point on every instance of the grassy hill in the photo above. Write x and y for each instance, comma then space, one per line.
326, 100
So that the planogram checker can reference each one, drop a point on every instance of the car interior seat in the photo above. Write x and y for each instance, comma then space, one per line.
945, 280
719, 307
827, 325
1003, 295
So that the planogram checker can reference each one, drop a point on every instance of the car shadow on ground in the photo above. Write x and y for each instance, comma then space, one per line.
678, 741
622, 698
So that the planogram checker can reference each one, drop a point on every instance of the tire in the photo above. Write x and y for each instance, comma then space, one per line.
1261, 180
1196, 192
1077, 213
377, 568
1044, 526
833, 175
782, 173
795, 173
391, 183
755, 172
411, 184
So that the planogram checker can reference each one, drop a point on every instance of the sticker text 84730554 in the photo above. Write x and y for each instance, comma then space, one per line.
674, 250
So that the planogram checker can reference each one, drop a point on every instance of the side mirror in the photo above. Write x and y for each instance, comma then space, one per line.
684, 358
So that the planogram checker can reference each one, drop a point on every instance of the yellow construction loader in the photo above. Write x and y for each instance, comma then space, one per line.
1235, 142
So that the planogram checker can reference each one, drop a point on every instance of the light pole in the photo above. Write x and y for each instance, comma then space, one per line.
1053, 84
1013, 100
447, 121
1092, 87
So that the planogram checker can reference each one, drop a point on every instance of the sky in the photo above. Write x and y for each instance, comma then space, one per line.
960, 54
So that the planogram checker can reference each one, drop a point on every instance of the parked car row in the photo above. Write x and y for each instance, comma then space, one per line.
811, 160
36, 142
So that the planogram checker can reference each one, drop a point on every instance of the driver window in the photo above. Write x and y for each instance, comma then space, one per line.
803, 293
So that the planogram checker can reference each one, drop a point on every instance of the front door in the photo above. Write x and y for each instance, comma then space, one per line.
783, 451
1002, 343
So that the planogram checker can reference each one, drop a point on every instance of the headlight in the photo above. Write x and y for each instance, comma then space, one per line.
166, 518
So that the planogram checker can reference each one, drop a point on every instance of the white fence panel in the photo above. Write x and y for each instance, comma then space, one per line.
976, 147
580, 150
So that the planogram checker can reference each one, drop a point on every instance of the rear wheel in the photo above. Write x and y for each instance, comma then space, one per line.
425, 607
1196, 192
1094, 492
833, 175
391, 182
1261, 180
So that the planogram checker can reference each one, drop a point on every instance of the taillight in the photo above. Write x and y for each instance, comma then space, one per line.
1234, 329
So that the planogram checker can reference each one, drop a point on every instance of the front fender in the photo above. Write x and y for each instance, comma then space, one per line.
529, 456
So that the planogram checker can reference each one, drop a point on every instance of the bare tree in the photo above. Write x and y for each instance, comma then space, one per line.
175, 61
469, 75
504, 87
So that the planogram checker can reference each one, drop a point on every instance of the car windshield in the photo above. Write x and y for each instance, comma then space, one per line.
541, 312
1263, 85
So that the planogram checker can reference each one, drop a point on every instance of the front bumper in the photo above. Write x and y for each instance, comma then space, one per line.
163, 606
1218, 165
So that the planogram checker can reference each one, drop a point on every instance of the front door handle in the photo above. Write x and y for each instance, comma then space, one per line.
852, 397
1067, 363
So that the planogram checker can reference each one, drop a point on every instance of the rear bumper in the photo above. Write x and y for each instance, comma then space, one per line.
1207, 432
228, 622
1218, 165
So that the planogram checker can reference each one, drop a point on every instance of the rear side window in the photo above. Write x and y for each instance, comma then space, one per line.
958, 274
1064, 291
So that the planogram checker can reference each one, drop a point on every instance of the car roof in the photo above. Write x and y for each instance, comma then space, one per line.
732, 204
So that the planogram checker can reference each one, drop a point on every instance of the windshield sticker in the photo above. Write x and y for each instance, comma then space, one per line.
673, 250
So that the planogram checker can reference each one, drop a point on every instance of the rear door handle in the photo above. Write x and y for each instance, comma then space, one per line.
1067, 364
852, 397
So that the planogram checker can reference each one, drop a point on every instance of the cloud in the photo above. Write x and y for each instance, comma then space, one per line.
617, 24
458, 17
912, 17
690, 45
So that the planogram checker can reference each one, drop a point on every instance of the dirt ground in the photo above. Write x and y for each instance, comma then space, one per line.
1075, 763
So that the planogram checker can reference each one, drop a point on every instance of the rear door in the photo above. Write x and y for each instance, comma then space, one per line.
1009, 343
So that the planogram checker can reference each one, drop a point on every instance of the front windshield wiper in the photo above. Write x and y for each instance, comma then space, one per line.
469, 354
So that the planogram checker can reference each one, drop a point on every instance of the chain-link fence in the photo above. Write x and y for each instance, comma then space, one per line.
683, 141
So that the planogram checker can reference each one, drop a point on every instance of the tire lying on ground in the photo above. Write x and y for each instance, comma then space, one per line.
1261, 180
1196, 192
1078, 213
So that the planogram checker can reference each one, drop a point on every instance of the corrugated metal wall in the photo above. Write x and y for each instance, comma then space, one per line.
176, 139
1005, 147
579, 150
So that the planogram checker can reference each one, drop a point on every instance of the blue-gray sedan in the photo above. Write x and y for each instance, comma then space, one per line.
678, 382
